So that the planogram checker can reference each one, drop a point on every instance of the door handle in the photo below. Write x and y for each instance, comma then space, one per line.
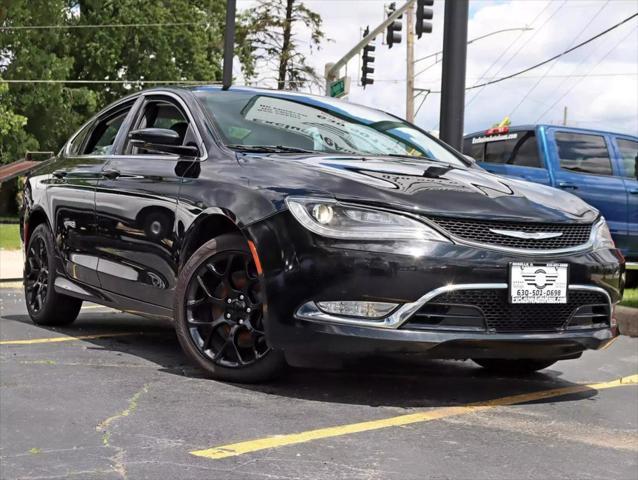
567, 185
111, 174
60, 173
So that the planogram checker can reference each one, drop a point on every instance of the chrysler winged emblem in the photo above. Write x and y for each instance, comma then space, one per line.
527, 235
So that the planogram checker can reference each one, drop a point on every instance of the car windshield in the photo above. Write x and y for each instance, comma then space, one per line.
289, 123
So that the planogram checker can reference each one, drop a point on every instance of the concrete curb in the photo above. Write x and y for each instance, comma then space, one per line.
9, 280
627, 320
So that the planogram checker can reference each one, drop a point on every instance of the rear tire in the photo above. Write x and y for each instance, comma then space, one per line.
44, 304
521, 366
219, 314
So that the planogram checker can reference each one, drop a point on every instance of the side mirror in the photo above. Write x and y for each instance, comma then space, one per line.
163, 140
472, 160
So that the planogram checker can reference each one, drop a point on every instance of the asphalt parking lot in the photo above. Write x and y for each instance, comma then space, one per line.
112, 397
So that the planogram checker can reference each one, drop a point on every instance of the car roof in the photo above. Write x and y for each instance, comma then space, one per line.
518, 128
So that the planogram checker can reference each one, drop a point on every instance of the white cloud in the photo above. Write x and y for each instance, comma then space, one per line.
595, 96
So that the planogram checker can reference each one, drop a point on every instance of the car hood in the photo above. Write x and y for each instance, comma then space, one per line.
427, 187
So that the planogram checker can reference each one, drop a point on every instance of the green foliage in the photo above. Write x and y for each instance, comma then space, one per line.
9, 236
13, 137
630, 298
189, 49
274, 24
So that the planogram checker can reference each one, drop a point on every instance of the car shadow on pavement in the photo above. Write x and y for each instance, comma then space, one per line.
406, 381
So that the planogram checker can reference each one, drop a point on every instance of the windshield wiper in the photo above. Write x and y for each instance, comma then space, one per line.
269, 148
407, 155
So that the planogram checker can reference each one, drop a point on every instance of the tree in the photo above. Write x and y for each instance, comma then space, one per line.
53, 110
14, 140
188, 48
274, 40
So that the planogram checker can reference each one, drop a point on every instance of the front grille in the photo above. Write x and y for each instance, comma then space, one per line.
573, 234
487, 309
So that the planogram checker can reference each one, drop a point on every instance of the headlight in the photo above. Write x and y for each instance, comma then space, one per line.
329, 218
602, 235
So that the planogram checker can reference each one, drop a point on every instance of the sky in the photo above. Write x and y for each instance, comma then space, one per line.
598, 83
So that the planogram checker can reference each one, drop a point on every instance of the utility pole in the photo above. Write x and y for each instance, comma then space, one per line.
333, 71
453, 78
409, 84
565, 115
229, 44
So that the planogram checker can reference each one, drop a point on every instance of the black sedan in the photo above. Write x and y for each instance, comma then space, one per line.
270, 224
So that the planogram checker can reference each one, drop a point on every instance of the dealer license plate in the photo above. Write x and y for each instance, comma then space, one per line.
538, 283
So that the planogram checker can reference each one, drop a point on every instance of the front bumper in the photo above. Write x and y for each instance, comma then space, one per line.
344, 339
300, 268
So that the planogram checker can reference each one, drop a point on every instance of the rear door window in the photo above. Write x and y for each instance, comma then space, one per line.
104, 130
76, 144
583, 153
629, 156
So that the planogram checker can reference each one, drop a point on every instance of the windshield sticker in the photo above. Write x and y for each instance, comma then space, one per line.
494, 138
325, 130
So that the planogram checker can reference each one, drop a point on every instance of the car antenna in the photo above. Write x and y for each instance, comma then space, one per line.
229, 44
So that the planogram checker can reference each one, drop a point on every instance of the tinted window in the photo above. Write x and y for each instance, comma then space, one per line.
629, 156
105, 129
163, 114
75, 147
517, 148
474, 150
526, 152
583, 153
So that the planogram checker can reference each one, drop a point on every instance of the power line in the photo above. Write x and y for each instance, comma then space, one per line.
471, 100
544, 62
481, 37
581, 79
591, 20
154, 82
106, 25
197, 82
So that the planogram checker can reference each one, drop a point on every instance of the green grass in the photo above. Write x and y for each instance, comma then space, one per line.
630, 299
9, 237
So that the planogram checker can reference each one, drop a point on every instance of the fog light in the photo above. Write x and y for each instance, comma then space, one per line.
358, 309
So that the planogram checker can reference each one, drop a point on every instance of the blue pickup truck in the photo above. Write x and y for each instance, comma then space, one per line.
600, 167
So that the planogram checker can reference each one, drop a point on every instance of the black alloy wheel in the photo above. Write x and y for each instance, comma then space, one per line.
224, 310
44, 304
36, 274
220, 314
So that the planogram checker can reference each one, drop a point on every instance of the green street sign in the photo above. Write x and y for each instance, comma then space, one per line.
340, 88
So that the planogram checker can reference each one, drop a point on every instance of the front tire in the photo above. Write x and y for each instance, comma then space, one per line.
44, 304
520, 366
219, 313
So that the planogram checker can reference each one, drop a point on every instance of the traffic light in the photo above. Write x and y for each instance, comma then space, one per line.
367, 67
422, 15
393, 32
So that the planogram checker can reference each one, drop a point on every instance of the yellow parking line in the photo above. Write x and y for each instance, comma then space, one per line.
249, 446
34, 341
